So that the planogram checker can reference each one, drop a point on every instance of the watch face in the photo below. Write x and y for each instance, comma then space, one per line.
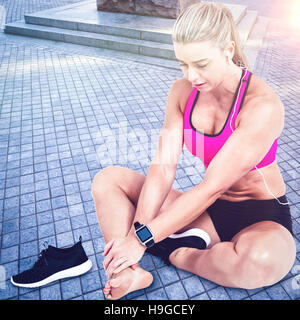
144, 234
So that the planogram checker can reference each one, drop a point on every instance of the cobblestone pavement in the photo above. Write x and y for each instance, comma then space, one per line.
60, 111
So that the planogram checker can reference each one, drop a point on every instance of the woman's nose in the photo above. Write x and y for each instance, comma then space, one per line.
193, 76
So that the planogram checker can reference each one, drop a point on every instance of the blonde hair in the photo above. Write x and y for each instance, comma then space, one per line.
209, 21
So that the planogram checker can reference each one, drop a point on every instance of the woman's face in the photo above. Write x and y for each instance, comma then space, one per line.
210, 70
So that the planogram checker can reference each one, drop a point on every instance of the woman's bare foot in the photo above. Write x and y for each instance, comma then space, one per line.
127, 281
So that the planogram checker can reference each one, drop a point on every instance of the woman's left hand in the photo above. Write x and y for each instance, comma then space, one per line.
122, 253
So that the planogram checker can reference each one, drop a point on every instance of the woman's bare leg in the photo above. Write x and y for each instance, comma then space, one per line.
259, 255
115, 213
115, 192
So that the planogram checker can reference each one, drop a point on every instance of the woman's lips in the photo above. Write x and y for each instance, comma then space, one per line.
200, 85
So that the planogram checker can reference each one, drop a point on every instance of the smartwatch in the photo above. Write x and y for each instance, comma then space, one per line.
144, 235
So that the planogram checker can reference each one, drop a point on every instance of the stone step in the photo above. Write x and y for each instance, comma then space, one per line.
82, 24
246, 25
143, 47
256, 37
108, 27
85, 17
255, 40
238, 11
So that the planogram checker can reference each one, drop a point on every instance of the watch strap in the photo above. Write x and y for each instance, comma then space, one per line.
137, 225
150, 243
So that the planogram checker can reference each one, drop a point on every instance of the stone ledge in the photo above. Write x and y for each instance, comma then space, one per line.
157, 8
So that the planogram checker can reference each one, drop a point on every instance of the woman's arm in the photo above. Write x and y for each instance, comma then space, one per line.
244, 149
184, 210
162, 171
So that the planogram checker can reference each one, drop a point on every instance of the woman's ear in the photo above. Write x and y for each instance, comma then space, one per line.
230, 48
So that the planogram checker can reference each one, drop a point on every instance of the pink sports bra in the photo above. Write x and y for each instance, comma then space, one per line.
205, 146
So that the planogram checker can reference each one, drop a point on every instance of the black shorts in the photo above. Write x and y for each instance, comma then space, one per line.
231, 217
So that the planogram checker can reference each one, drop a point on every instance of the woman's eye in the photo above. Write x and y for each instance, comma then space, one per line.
183, 65
201, 66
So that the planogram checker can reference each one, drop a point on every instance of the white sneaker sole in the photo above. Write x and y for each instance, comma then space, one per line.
192, 232
71, 272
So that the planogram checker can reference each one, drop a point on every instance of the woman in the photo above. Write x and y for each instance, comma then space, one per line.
239, 210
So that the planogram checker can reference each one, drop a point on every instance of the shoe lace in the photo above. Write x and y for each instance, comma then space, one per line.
30, 274
42, 256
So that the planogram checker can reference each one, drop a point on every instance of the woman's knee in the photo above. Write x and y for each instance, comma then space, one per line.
255, 271
261, 265
104, 178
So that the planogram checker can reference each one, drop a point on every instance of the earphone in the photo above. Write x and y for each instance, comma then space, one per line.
228, 56
283, 203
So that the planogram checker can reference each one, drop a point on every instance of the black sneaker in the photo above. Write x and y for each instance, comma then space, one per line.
54, 264
193, 238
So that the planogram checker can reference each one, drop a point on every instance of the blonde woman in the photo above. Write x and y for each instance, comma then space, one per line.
235, 227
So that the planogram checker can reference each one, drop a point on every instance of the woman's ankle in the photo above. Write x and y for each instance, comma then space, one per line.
133, 267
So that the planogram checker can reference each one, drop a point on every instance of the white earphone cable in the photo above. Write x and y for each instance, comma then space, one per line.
283, 203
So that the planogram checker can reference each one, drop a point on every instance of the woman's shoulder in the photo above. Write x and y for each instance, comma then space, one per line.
184, 89
261, 99
260, 94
